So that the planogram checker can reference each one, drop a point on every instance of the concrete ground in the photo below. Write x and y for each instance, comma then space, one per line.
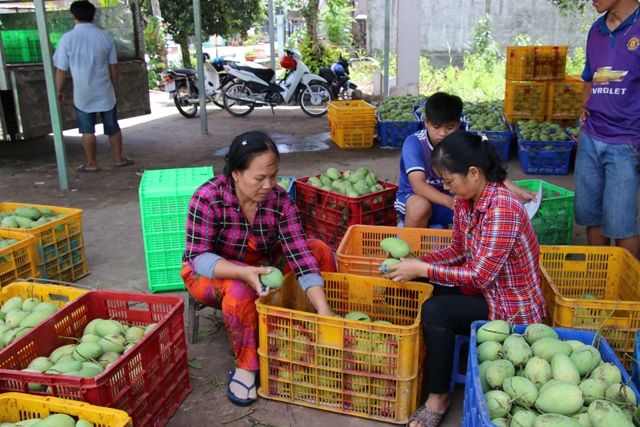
112, 225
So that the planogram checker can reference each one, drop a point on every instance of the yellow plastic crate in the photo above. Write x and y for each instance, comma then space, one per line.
59, 243
60, 295
360, 252
369, 370
564, 99
536, 62
351, 110
610, 275
354, 136
524, 100
16, 407
18, 260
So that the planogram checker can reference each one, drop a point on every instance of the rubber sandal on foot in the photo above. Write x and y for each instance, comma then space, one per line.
233, 398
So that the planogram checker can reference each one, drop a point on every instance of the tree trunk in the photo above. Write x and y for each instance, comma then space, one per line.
162, 49
184, 48
310, 14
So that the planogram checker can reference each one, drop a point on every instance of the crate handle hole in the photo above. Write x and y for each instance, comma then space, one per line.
141, 306
56, 297
575, 257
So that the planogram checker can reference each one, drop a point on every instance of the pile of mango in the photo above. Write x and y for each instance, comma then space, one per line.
27, 217
55, 420
533, 130
348, 183
399, 108
5, 243
485, 116
18, 316
536, 379
101, 345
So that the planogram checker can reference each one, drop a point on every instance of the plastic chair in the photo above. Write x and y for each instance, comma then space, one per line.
456, 377
194, 313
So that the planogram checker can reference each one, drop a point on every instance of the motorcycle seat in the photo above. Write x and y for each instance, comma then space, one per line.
186, 71
265, 74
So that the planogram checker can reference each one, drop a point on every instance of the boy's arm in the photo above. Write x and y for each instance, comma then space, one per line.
524, 195
422, 188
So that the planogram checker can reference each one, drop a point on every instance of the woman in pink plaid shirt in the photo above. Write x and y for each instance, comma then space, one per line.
238, 222
490, 271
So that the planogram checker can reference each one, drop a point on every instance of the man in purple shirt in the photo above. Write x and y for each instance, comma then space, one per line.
607, 173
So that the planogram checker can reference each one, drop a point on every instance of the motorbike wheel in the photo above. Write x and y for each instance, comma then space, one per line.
237, 108
184, 107
314, 100
218, 97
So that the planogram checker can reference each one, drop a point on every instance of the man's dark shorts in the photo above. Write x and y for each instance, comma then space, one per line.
87, 121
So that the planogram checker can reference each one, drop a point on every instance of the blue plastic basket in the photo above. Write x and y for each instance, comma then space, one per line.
474, 412
393, 134
500, 139
544, 157
292, 188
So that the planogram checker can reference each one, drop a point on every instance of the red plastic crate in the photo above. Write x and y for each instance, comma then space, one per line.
327, 215
148, 382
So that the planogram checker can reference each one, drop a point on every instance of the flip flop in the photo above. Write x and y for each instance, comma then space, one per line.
129, 162
82, 169
233, 398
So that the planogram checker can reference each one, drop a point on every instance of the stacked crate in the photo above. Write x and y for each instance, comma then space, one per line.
164, 203
352, 124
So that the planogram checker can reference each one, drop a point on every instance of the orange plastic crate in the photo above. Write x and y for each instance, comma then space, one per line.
351, 110
564, 99
360, 252
59, 243
365, 369
609, 275
525, 100
536, 62
353, 136
17, 260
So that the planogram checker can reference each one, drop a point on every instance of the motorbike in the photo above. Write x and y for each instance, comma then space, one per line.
338, 74
182, 84
257, 87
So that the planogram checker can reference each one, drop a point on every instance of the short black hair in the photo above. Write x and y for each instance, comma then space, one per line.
244, 148
460, 150
83, 10
442, 108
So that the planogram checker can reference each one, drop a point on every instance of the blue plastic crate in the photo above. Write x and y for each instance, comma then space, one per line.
292, 188
500, 139
544, 157
393, 134
474, 411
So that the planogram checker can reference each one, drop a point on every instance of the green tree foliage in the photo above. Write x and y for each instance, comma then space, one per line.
337, 22
219, 17
154, 39
524, 39
328, 54
483, 43
566, 6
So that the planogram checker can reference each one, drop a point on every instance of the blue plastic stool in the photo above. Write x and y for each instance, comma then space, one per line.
456, 377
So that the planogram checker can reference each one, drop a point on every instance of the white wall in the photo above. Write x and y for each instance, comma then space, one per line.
448, 23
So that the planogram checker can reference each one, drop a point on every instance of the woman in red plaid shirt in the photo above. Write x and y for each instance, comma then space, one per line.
238, 222
490, 271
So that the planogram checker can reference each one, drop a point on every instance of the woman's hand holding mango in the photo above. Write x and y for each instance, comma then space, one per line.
408, 269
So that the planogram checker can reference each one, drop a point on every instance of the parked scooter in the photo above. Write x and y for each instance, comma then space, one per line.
182, 84
338, 74
257, 88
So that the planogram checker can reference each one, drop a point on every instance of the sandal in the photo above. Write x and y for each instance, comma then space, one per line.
127, 162
233, 398
426, 417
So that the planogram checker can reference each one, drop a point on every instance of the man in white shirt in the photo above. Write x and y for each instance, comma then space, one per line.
90, 54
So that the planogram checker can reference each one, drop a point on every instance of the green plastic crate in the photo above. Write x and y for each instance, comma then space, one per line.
22, 46
164, 203
553, 223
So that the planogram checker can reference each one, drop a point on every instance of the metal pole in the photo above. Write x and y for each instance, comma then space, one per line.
54, 108
202, 89
272, 42
387, 31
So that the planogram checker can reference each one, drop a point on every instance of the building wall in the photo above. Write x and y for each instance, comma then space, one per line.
447, 24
